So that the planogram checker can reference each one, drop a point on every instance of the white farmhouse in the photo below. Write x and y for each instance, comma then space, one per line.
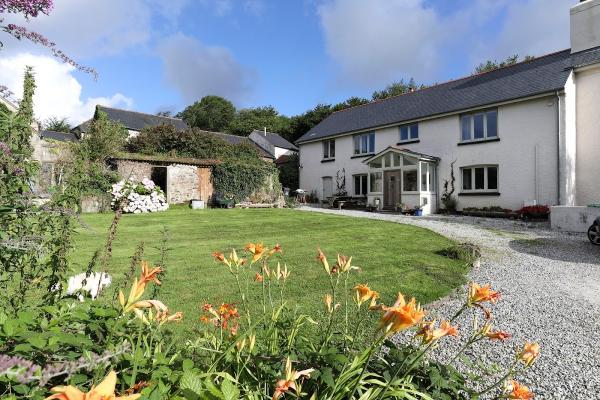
524, 134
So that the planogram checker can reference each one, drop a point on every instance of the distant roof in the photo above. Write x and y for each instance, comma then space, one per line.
276, 140
235, 139
60, 136
541, 75
134, 120
165, 159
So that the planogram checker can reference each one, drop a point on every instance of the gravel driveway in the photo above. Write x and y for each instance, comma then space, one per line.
550, 285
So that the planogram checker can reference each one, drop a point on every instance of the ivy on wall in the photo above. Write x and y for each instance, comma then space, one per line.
241, 180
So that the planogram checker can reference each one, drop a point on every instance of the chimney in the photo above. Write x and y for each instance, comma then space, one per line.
585, 25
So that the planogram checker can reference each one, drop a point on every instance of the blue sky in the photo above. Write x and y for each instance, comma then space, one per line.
154, 55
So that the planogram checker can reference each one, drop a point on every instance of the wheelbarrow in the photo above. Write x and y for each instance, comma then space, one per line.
594, 232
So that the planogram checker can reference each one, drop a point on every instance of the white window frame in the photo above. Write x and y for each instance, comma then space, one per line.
357, 144
362, 182
380, 173
471, 117
485, 179
411, 128
329, 144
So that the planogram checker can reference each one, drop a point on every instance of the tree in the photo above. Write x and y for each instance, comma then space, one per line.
250, 119
397, 88
212, 113
165, 113
351, 102
491, 65
31, 9
57, 124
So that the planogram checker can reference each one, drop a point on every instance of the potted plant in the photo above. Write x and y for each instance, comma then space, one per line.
419, 211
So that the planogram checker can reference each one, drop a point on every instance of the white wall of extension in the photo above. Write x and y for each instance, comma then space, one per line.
526, 154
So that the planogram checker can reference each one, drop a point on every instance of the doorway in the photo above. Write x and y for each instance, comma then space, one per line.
391, 190
159, 177
327, 187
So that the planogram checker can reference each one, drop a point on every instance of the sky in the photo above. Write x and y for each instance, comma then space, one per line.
156, 55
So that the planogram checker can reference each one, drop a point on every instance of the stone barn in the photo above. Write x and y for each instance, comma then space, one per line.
182, 179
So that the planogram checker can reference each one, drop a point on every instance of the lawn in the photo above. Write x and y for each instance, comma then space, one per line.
392, 257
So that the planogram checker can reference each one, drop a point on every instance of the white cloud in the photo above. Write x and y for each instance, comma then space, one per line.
378, 41
222, 8
57, 93
196, 70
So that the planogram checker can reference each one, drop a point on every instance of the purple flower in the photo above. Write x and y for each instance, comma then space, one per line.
29, 8
4, 148
20, 368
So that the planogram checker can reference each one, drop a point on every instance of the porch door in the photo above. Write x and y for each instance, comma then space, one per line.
391, 190
327, 187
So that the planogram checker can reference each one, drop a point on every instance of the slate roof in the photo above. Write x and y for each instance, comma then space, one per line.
401, 150
541, 75
276, 140
134, 120
585, 57
60, 136
235, 139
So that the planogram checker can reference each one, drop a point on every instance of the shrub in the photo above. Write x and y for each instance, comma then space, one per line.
239, 180
138, 197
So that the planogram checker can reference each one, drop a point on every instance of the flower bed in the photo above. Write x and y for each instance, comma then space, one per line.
138, 197
529, 213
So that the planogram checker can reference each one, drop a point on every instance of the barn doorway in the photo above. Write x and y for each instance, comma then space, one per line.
159, 177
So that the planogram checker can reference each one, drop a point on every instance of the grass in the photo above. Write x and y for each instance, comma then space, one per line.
392, 257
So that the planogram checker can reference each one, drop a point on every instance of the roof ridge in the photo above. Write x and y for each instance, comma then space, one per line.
437, 85
141, 113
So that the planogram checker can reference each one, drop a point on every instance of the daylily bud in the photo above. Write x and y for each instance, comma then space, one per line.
321, 257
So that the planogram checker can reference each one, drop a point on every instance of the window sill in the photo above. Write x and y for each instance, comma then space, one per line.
407, 142
479, 194
363, 155
328, 160
479, 141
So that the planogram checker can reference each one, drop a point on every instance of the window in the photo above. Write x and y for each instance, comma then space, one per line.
360, 185
426, 177
409, 132
375, 184
376, 163
479, 126
480, 178
409, 180
328, 149
364, 144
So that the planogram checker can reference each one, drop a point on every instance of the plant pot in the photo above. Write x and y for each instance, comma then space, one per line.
196, 204
418, 213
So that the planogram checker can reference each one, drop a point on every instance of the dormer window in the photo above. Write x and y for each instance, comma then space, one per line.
364, 143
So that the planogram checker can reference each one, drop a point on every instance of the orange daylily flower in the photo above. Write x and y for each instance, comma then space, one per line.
289, 382
323, 260
218, 256
165, 317
429, 333
104, 391
498, 335
529, 354
149, 275
276, 249
364, 293
256, 249
480, 294
518, 391
401, 315
258, 277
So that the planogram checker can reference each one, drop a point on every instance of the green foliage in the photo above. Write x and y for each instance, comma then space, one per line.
396, 89
289, 173
239, 180
250, 119
491, 65
57, 124
88, 172
212, 113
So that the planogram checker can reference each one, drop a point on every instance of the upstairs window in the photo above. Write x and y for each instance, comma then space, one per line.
364, 143
482, 178
409, 133
479, 126
329, 149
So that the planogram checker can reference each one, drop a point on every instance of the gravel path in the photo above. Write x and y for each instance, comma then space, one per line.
550, 285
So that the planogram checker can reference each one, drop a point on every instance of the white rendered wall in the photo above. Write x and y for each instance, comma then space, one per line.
527, 155
568, 143
588, 136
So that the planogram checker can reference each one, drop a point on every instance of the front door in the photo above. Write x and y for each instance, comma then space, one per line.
327, 187
391, 190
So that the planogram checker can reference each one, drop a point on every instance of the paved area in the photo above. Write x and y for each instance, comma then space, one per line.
550, 285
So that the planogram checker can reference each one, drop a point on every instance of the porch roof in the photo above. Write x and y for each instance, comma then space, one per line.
401, 150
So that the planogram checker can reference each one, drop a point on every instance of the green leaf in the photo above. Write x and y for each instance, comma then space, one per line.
191, 381
230, 391
187, 364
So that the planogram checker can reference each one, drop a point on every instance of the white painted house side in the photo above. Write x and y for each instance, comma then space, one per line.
524, 134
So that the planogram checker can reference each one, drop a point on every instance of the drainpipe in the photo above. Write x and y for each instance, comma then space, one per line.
437, 188
558, 169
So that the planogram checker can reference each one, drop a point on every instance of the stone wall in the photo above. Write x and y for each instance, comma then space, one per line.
184, 182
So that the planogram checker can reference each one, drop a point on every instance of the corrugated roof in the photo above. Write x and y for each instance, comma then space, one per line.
540, 75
